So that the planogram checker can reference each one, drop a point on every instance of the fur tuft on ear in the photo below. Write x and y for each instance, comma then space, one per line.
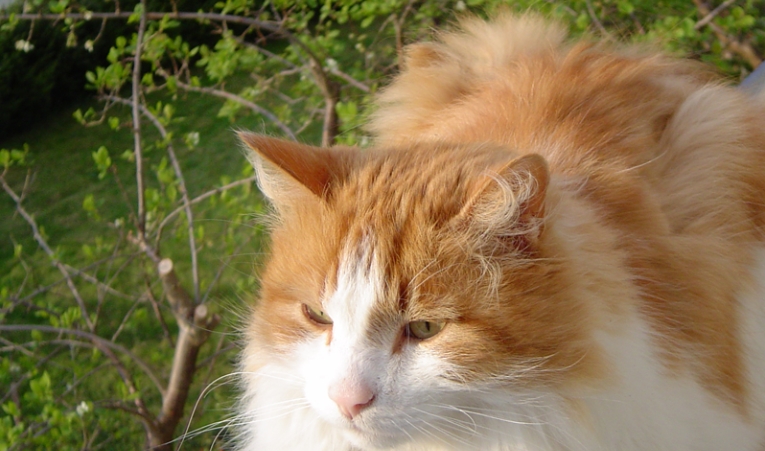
508, 203
288, 170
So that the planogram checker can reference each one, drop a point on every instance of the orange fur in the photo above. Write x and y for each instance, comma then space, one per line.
681, 184
647, 189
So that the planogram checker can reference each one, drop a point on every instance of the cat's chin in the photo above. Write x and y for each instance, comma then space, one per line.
363, 438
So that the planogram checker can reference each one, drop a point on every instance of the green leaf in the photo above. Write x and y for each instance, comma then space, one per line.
583, 21
168, 111
136, 16
172, 192
114, 123
18, 156
191, 139
89, 204
172, 85
625, 7
367, 22
147, 79
78, 115
41, 387
5, 158
103, 161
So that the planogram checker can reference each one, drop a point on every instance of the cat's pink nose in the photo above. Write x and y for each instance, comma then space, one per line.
351, 399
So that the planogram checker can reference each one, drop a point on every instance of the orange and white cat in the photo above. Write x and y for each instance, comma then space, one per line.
551, 246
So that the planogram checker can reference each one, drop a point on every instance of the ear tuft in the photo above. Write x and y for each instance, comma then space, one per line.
509, 201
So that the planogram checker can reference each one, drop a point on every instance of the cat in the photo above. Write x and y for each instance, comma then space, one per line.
551, 246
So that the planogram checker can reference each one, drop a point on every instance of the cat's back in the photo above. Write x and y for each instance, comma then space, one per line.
659, 142
669, 159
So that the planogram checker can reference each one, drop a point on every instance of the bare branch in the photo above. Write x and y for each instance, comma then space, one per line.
158, 314
181, 186
743, 49
594, 17
202, 197
274, 27
712, 14
352, 81
81, 273
44, 245
242, 101
195, 323
99, 342
124, 408
136, 101
75, 273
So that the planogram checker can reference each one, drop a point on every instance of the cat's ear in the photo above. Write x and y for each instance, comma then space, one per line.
287, 169
509, 201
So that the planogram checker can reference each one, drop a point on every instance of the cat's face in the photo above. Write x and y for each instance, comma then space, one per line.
406, 292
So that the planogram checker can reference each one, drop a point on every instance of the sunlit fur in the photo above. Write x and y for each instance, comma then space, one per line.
586, 220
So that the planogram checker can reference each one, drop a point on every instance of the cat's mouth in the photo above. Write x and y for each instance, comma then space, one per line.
364, 436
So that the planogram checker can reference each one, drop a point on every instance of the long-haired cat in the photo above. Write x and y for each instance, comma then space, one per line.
551, 246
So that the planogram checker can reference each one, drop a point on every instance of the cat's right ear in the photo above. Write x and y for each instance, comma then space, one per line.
288, 170
508, 202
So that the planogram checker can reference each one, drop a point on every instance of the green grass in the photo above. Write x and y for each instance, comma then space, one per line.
62, 173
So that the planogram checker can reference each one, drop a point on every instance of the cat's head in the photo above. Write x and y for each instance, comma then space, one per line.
406, 287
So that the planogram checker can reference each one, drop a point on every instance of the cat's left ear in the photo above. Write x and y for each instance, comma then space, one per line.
509, 201
288, 170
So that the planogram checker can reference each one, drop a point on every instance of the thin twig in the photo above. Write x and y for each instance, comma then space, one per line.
352, 81
125, 318
81, 273
597, 22
712, 14
743, 49
158, 314
274, 27
51, 254
97, 341
136, 102
77, 272
181, 186
242, 101
201, 197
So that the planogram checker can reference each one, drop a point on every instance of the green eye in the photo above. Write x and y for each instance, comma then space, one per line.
317, 316
424, 329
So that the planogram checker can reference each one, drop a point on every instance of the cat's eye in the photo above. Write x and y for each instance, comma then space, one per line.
317, 316
424, 329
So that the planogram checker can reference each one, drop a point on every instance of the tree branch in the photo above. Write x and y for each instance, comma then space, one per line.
137, 151
711, 15
274, 27
181, 185
44, 245
195, 323
598, 23
202, 197
743, 49
242, 101
99, 342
